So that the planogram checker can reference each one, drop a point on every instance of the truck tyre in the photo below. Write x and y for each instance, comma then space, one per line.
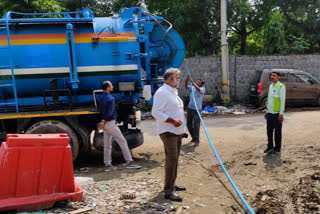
134, 139
56, 126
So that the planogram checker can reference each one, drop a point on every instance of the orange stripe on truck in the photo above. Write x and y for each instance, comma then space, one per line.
36, 39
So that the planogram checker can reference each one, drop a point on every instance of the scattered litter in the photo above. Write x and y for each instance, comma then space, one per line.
133, 167
82, 210
84, 180
143, 202
166, 207
209, 110
264, 197
250, 164
202, 205
213, 110
239, 113
103, 187
234, 207
221, 108
84, 169
114, 197
186, 207
128, 196
236, 109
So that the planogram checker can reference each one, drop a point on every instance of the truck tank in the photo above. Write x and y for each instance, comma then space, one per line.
52, 60
52, 66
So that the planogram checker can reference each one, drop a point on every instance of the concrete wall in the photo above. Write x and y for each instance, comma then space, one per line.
209, 69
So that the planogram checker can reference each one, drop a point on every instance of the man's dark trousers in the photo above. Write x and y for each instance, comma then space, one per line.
273, 123
193, 124
172, 144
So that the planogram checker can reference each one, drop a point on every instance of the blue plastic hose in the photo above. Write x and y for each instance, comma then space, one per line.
216, 154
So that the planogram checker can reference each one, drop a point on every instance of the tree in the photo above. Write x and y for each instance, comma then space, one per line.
304, 14
117, 4
274, 35
196, 21
29, 6
244, 18
100, 7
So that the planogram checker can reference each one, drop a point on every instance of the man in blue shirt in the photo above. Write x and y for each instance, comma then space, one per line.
193, 120
110, 127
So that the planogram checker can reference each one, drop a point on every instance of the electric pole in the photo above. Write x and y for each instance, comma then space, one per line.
224, 51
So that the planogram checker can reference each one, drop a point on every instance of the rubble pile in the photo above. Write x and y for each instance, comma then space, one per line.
141, 196
301, 198
215, 110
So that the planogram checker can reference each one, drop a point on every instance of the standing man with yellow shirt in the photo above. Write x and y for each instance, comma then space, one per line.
274, 116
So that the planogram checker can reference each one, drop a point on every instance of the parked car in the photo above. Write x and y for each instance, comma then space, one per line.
302, 88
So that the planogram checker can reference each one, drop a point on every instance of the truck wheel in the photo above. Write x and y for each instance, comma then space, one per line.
134, 139
56, 126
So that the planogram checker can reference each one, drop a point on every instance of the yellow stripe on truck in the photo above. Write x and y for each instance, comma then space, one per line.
46, 115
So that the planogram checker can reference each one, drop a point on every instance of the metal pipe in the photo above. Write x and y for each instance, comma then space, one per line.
94, 96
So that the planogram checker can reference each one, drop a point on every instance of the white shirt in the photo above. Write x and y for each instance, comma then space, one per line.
167, 103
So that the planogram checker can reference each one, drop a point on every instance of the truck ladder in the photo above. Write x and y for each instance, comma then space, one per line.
11, 66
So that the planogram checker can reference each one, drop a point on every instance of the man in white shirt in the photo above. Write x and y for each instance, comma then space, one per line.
168, 111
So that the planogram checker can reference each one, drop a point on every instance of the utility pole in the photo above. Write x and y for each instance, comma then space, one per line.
224, 51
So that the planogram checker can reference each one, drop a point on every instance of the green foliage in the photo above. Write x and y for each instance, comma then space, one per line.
274, 39
255, 26
117, 4
254, 47
297, 45
304, 15
100, 7
198, 22
29, 6
244, 19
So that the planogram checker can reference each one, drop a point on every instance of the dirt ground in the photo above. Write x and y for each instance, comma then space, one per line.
288, 183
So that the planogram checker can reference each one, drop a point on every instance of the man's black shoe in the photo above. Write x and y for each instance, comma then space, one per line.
271, 152
276, 152
180, 188
267, 150
173, 197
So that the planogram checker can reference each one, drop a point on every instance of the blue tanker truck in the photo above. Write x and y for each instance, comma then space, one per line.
52, 66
